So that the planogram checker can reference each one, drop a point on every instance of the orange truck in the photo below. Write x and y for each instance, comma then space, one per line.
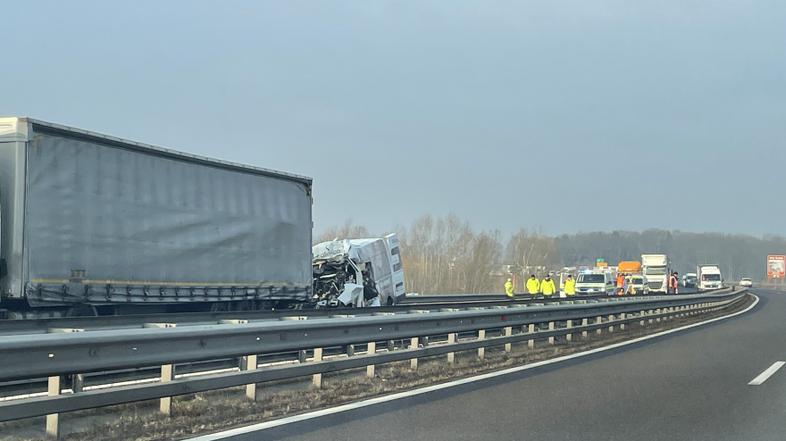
629, 267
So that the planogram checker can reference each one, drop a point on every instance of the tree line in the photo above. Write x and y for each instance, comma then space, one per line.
446, 255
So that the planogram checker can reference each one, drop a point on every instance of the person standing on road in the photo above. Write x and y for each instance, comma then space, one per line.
570, 286
624, 284
674, 283
509, 289
533, 285
547, 287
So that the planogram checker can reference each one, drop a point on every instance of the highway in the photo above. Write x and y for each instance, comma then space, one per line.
689, 385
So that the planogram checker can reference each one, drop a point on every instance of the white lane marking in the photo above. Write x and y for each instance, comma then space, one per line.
767, 373
397, 396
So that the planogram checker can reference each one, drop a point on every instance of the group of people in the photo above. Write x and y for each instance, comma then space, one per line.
546, 287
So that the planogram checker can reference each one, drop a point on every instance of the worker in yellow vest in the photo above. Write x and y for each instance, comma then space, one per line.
547, 287
570, 286
509, 288
533, 285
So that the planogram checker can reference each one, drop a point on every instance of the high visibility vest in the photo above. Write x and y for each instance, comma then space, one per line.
547, 287
533, 286
570, 287
509, 289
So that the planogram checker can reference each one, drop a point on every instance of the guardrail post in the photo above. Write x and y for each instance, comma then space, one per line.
316, 379
658, 311
649, 313
622, 325
451, 355
77, 383
54, 388
167, 371
569, 325
250, 364
551, 328
611, 319
508, 331
584, 322
531, 330
167, 375
77, 380
482, 350
413, 344
371, 350
642, 313
598, 321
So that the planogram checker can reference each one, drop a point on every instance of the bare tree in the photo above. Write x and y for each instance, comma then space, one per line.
346, 231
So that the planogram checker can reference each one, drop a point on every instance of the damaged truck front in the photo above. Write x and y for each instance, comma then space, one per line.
358, 272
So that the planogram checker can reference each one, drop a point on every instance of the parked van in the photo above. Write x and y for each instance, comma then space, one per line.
595, 283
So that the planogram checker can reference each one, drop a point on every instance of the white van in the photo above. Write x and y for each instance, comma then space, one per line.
595, 283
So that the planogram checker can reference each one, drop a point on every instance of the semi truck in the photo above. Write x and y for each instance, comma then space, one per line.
655, 268
709, 277
358, 272
98, 224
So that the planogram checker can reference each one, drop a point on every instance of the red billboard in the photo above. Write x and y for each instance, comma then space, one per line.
776, 266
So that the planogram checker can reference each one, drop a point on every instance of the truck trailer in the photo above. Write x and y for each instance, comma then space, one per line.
94, 221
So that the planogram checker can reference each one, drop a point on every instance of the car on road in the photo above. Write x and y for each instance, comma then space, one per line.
689, 280
637, 284
746, 282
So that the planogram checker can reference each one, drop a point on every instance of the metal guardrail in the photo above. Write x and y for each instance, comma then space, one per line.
55, 355
42, 325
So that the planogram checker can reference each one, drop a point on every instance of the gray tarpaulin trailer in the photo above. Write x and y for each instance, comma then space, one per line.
93, 219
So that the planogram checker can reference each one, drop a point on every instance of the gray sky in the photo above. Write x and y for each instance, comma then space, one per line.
544, 115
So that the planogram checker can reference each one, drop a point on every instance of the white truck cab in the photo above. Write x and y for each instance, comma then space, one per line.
710, 277
358, 272
655, 267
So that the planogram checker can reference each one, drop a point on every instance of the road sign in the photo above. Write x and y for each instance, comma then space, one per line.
776, 266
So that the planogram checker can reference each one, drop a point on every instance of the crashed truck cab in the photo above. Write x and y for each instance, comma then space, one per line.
358, 272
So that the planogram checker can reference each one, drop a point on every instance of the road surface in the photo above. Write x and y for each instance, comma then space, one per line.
689, 385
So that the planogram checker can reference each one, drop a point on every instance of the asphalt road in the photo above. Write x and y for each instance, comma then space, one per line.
691, 385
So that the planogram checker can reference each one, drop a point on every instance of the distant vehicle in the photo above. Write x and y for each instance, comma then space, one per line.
709, 277
746, 282
595, 283
689, 280
637, 285
655, 268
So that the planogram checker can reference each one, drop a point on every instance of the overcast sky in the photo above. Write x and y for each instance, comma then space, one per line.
560, 115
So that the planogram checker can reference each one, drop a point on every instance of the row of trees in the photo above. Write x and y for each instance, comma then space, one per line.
446, 255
